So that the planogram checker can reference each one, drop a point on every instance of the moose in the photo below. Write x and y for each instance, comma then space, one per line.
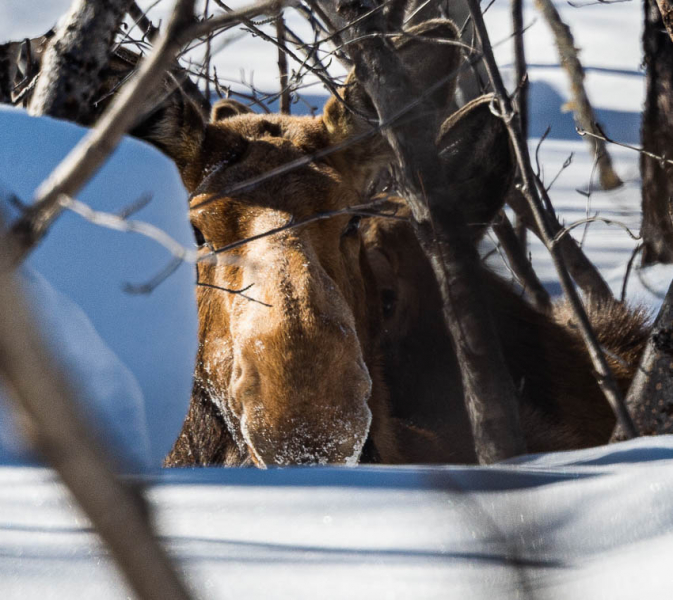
324, 343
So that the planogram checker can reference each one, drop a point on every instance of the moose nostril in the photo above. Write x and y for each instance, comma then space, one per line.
245, 386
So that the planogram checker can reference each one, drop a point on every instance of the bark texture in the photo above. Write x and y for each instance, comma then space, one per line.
76, 57
491, 398
650, 398
657, 137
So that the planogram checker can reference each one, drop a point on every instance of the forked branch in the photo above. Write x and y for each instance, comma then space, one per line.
92, 151
530, 190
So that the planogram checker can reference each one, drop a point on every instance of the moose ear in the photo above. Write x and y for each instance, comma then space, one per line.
177, 126
478, 162
226, 108
428, 52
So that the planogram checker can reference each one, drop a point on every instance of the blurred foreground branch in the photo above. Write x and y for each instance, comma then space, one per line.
44, 395
93, 150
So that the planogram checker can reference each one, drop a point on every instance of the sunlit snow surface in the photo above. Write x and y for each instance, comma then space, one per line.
593, 524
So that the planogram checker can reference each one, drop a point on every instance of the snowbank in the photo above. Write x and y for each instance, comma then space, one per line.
153, 336
591, 524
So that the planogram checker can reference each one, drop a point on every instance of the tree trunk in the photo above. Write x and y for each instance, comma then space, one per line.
75, 59
490, 395
7, 71
650, 398
657, 137
584, 114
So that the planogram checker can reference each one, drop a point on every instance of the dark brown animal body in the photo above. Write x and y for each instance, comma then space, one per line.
562, 406
297, 328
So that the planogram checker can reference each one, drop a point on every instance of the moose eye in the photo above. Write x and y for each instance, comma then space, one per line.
388, 302
352, 227
198, 236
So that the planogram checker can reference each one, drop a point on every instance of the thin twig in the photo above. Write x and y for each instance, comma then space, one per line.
604, 375
364, 210
605, 138
92, 151
568, 228
306, 160
629, 266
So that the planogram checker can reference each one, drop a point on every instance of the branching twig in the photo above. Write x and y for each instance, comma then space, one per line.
568, 228
121, 223
530, 190
627, 274
601, 136
92, 151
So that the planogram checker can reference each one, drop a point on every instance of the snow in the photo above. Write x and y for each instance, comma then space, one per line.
153, 335
590, 524
118, 409
595, 523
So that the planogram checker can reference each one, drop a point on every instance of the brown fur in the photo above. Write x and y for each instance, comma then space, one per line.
562, 406
312, 348
290, 370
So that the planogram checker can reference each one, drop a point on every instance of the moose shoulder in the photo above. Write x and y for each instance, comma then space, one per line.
297, 328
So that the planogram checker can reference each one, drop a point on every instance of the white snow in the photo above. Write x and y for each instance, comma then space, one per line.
153, 335
591, 524
588, 524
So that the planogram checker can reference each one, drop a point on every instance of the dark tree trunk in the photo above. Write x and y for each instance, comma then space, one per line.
7, 71
491, 397
657, 137
75, 59
650, 398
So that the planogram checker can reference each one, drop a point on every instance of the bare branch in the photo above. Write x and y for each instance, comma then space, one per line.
521, 78
568, 228
520, 263
650, 397
282, 66
121, 223
92, 151
601, 136
530, 190
584, 114
75, 57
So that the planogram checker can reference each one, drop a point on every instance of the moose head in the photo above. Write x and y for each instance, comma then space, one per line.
288, 365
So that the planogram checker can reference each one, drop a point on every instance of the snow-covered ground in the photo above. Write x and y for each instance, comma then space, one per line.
593, 524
